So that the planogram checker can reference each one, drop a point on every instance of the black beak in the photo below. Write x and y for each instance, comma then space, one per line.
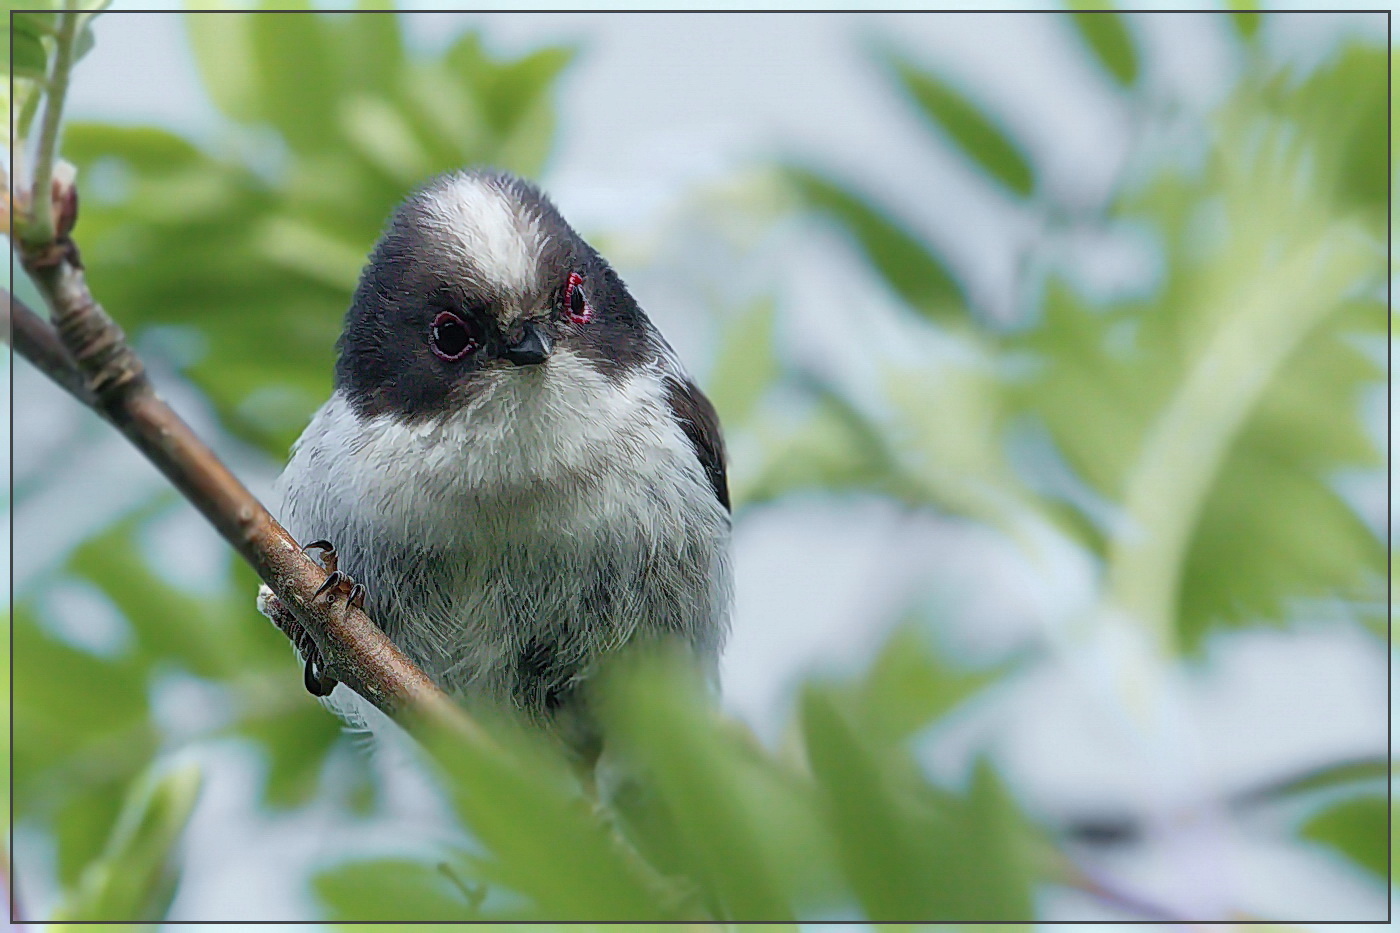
532, 347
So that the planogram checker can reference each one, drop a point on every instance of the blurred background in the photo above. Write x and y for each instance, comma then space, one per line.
1050, 350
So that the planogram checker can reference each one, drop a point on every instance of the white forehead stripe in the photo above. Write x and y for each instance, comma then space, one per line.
498, 238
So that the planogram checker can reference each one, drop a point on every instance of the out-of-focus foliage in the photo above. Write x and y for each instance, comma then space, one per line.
708, 825
1358, 828
1207, 418
916, 275
1106, 34
968, 126
29, 45
137, 873
75, 758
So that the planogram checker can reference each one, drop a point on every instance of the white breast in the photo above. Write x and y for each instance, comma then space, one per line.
557, 508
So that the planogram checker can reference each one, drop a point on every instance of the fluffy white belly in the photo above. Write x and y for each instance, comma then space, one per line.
507, 546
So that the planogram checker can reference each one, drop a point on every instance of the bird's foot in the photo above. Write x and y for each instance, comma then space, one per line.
318, 681
337, 580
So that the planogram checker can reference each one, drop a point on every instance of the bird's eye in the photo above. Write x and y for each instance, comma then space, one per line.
576, 302
451, 339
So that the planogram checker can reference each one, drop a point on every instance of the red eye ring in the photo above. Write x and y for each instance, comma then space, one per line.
576, 305
450, 337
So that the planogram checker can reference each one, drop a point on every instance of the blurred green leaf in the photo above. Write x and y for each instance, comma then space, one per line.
664, 729
909, 850
976, 133
1107, 36
1247, 24
134, 879
1343, 108
376, 46
73, 756
746, 364
910, 685
546, 842
1375, 770
297, 78
223, 51
7, 710
80, 778
831, 447
907, 265
391, 890
299, 742
34, 23
28, 58
1358, 828
85, 40
1254, 369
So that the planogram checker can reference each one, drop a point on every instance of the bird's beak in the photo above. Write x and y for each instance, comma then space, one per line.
532, 347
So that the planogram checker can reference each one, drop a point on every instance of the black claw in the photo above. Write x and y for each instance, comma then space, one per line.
357, 596
332, 580
317, 684
329, 559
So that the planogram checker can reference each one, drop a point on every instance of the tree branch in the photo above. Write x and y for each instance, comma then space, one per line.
86, 353
36, 341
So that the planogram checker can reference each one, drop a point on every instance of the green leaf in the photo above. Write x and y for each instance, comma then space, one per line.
910, 686
904, 262
222, 639
392, 890
654, 711
1358, 828
223, 51
517, 87
143, 149
1219, 411
832, 447
544, 841
296, 77
134, 878
1344, 107
746, 365
1107, 36
1246, 24
1364, 770
512, 99
73, 757
28, 58
977, 134
908, 849
34, 23
374, 44
298, 743
85, 40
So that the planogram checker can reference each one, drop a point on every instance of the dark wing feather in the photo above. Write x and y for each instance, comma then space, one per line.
700, 423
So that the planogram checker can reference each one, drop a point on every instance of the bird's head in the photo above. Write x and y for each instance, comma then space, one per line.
478, 279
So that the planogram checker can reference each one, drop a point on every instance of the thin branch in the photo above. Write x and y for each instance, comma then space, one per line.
36, 341
1102, 889
40, 228
1374, 768
87, 353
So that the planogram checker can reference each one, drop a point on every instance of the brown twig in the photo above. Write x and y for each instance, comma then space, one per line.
36, 341
86, 353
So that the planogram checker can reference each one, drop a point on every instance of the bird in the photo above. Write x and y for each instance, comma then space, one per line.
513, 467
